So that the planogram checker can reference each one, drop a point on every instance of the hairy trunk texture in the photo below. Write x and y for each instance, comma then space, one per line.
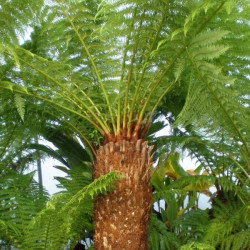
121, 217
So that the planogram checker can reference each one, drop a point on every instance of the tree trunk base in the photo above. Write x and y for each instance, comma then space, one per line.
121, 217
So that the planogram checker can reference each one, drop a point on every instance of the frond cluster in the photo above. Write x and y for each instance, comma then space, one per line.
229, 229
111, 63
21, 198
14, 21
215, 100
160, 237
66, 219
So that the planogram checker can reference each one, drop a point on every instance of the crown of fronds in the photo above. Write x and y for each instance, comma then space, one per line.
111, 63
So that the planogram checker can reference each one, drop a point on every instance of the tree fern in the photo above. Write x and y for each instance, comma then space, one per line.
99, 70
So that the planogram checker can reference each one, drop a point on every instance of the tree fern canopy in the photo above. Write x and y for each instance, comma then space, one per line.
85, 73
131, 54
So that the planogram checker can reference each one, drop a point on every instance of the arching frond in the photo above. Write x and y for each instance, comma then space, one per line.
21, 198
231, 221
66, 219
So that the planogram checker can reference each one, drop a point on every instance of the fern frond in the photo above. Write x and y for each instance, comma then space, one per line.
210, 99
179, 68
213, 83
237, 241
21, 198
192, 226
66, 219
9, 232
28, 92
196, 246
20, 105
208, 38
231, 219
210, 52
159, 237
87, 51
14, 21
202, 9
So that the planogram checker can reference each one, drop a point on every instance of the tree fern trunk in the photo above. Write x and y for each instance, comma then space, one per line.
121, 217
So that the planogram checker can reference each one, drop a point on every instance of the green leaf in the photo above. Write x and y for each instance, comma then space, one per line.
6, 85
172, 210
174, 158
20, 105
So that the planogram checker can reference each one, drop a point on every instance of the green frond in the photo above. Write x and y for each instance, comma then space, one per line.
196, 246
209, 99
207, 38
20, 105
179, 68
205, 10
9, 232
210, 52
237, 241
66, 219
21, 198
230, 220
159, 237
61, 105
192, 226
14, 21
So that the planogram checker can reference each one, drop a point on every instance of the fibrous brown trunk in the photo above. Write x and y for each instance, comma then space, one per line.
121, 217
